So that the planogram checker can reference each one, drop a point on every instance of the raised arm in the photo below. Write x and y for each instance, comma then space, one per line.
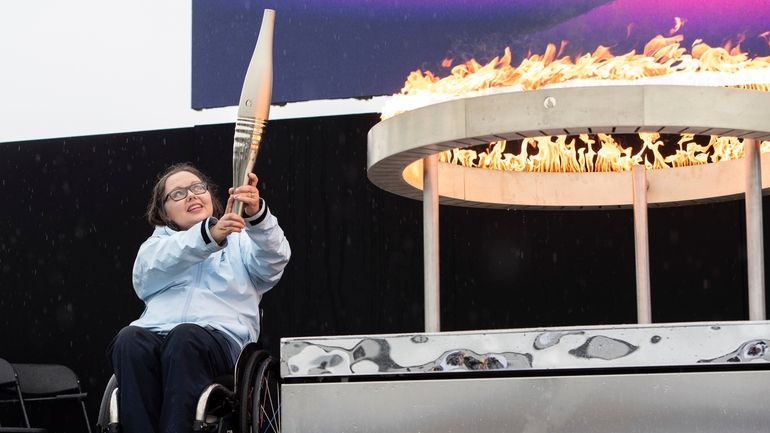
264, 249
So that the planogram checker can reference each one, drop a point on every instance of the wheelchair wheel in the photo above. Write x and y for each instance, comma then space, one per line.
244, 387
266, 403
259, 400
107, 420
247, 363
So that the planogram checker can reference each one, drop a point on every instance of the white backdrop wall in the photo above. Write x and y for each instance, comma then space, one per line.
84, 67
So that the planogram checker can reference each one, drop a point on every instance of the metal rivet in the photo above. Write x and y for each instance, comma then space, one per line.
549, 102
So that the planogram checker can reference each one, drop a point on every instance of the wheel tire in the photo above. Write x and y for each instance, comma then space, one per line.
266, 401
103, 419
245, 387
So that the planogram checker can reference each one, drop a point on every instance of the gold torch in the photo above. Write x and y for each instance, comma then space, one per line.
254, 106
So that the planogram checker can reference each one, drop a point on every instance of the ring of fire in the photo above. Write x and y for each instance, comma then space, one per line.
397, 145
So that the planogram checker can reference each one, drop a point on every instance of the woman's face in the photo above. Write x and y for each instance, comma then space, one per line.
193, 208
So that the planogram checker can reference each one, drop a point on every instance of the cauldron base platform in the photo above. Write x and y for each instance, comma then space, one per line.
706, 377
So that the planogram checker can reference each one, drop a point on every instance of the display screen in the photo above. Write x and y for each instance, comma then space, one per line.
328, 49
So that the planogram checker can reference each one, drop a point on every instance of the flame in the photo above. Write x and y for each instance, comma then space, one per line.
629, 30
662, 60
678, 23
661, 56
562, 154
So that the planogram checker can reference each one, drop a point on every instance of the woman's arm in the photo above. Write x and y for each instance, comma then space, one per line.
265, 249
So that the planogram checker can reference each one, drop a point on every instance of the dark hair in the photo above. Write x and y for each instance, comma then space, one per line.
156, 212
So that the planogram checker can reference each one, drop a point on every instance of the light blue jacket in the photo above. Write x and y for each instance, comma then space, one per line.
186, 277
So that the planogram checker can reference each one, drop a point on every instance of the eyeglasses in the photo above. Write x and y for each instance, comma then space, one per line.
181, 193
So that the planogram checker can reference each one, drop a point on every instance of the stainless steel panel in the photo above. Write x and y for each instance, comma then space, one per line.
710, 402
596, 347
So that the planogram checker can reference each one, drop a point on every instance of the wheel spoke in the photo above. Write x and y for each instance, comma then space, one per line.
268, 407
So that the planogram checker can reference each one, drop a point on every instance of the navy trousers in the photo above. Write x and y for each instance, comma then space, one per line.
161, 377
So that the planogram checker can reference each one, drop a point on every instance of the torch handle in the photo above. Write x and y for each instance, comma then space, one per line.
248, 137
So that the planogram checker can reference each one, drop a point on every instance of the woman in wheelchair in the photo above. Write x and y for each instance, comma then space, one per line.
201, 275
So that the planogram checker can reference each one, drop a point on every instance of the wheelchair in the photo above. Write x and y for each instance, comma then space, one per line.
245, 402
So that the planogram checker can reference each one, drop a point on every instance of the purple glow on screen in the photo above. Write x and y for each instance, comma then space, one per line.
434, 5
353, 48
624, 25
714, 21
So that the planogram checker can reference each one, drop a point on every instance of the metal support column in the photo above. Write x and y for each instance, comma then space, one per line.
755, 255
641, 243
430, 236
